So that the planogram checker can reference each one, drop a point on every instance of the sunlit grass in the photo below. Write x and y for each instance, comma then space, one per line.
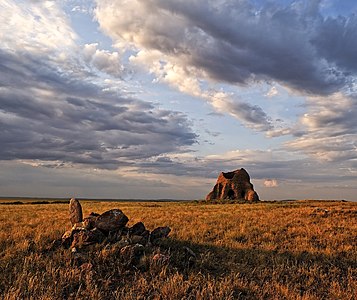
244, 251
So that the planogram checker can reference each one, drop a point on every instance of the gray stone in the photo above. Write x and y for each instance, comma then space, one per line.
75, 211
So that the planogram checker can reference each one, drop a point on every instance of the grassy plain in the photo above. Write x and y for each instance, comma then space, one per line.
280, 250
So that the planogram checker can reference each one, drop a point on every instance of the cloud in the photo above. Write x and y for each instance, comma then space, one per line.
238, 42
77, 182
103, 60
329, 129
252, 116
57, 122
56, 112
197, 47
336, 41
41, 27
185, 80
271, 183
272, 92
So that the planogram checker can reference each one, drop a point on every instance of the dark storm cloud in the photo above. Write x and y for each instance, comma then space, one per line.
49, 115
336, 41
237, 42
253, 115
27, 70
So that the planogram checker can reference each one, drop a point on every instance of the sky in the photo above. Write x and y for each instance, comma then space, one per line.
152, 99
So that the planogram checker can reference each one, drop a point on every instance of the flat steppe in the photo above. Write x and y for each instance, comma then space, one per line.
268, 250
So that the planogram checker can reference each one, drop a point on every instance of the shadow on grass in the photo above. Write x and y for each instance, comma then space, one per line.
219, 272
302, 272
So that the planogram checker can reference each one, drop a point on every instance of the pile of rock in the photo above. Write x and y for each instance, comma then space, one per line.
108, 227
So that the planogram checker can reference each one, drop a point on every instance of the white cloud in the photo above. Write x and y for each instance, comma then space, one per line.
103, 60
37, 28
167, 70
272, 92
271, 183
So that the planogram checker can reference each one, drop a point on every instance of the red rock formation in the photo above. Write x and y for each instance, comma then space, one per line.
233, 185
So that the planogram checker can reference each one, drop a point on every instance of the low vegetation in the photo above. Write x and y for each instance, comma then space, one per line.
276, 250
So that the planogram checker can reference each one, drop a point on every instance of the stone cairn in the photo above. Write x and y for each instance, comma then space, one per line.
110, 228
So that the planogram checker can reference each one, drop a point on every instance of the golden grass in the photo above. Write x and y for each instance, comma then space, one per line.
244, 251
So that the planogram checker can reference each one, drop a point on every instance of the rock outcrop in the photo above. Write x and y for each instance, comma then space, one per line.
233, 185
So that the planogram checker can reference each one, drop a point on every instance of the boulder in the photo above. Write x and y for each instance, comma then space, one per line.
146, 235
138, 239
67, 239
75, 211
88, 223
159, 233
86, 237
233, 185
111, 220
137, 229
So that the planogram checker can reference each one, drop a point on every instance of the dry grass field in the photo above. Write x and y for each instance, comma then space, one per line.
281, 250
